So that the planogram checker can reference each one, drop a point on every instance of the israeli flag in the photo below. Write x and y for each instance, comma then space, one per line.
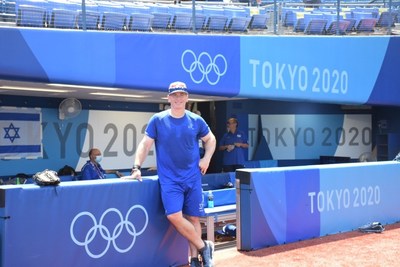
21, 133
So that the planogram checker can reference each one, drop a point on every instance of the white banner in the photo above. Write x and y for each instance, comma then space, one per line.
117, 135
311, 136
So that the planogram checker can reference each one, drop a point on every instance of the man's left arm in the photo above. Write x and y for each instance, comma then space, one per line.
209, 148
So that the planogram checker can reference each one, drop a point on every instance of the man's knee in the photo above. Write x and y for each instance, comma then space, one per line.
175, 217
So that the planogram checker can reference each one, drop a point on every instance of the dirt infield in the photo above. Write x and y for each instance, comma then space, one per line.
346, 249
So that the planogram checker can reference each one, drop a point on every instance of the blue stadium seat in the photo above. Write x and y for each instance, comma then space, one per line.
92, 20
200, 20
114, 21
216, 23
331, 17
8, 11
342, 29
61, 5
316, 26
358, 15
238, 24
259, 21
31, 16
300, 25
212, 11
161, 20
63, 18
140, 22
366, 25
234, 12
352, 25
387, 19
182, 21
289, 19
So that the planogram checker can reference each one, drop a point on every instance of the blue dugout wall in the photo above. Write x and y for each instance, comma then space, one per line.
284, 205
286, 74
88, 223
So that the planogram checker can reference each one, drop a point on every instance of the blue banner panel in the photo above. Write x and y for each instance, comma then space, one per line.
18, 59
301, 224
386, 86
289, 204
76, 57
129, 60
336, 70
102, 223
268, 222
154, 60
358, 195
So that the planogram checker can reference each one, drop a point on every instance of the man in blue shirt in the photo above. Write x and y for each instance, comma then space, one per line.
234, 145
176, 133
92, 169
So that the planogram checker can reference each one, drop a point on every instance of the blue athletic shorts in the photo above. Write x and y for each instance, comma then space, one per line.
185, 197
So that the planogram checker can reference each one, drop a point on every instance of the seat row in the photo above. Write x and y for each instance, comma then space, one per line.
135, 17
321, 23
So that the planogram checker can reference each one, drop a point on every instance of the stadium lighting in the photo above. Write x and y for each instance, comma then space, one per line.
33, 89
83, 87
119, 95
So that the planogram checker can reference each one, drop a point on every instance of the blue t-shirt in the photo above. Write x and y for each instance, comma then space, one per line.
237, 155
91, 171
177, 145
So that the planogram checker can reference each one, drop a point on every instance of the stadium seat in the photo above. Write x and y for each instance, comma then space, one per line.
308, 17
92, 20
200, 21
300, 25
31, 16
343, 27
331, 18
8, 11
387, 19
140, 22
316, 26
259, 21
161, 20
366, 25
62, 18
238, 24
114, 21
352, 25
182, 21
289, 19
216, 23
358, 16
234, 12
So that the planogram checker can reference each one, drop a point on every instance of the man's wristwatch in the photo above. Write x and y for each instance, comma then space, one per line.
136, 168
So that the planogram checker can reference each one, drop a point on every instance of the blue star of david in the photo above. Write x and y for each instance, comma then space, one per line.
9, 130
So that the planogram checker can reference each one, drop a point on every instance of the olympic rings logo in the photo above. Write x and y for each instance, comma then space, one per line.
204, 66
109, 236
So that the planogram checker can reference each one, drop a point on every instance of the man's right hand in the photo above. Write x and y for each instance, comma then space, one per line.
136, 174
